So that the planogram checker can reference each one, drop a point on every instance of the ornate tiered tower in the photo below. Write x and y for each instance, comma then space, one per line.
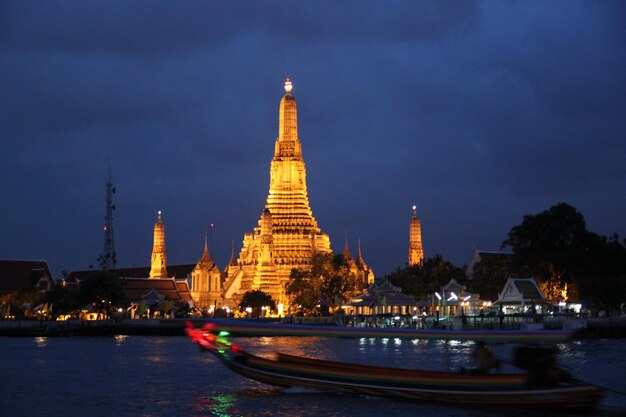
287, 234
159, 258
358, 267
416, 250
206, 285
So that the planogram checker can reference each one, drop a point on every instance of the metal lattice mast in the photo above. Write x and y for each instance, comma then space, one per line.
108, 258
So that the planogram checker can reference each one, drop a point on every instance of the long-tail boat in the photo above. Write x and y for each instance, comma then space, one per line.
519, 390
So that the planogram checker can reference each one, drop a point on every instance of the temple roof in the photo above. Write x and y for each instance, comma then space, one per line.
138, 289
520, 291
382, 294
182, 271
19, 275
206, 261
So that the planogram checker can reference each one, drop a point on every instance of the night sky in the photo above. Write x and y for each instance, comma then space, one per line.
476, 112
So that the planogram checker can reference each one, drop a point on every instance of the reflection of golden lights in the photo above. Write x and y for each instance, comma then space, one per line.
119, 339
41, 341
564, 292
266, 341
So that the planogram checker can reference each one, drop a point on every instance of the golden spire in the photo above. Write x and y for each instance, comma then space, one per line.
206, 257
346, 249
288, 85
359, 257
233, 261
287, 234
159, 257
416, 250
288, 125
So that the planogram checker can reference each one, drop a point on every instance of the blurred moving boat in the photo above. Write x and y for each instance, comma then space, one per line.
505, 390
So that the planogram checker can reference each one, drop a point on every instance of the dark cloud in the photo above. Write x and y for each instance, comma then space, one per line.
157, 27
478, 113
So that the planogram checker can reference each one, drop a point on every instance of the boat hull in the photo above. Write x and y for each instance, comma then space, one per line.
500, 390
572, 398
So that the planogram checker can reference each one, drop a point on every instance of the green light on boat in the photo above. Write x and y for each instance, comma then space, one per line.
224, 333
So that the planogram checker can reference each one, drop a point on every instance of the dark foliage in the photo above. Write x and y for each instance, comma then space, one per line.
257, 299
102, 290
422, 280
490, 275
556, 249
327, 284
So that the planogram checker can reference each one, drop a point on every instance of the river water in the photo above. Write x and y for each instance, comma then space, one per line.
168, 376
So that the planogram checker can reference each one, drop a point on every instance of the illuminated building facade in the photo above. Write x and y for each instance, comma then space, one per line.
205, 277
416, 250
206, 286
358, 267
158, 267
287, 234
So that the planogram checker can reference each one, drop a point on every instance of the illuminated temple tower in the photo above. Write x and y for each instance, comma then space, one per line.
364, 274
287, 234
158, 267
206, 281
416, 250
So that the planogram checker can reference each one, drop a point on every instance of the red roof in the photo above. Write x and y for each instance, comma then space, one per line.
136, 288
136, 284
23, 275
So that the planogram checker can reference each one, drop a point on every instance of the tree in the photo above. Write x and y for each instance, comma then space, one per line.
103, 290
20, 303
422, 280
328, 283
490, 275
603, 281
550, 246
257, 299
568, 261
63, 299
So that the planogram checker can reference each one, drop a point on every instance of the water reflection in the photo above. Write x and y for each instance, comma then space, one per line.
119, 339
266, 340
300, 346
216, 405
154, 376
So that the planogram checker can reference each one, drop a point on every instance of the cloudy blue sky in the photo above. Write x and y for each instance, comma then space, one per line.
476, 112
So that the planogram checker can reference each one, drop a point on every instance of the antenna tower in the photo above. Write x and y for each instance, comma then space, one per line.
108, 259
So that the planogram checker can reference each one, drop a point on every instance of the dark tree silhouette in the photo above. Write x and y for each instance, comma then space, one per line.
422, 280
329, 283
256, 299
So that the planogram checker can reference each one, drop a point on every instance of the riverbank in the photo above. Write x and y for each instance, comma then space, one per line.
595, 328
